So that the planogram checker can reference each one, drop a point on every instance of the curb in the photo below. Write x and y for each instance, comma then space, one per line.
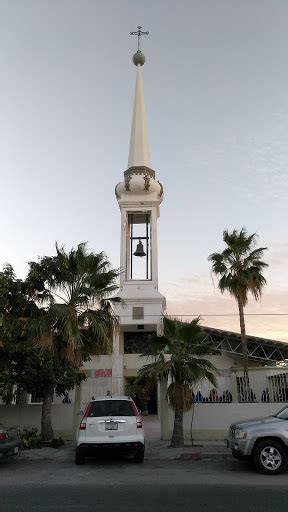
190, 456
166, 456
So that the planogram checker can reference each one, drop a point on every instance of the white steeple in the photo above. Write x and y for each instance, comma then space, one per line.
139, 186
139, 147
139, 196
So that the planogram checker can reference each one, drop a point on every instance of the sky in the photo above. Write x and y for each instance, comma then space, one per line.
215, 85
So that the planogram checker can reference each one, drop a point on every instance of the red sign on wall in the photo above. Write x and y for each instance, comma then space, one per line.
103, 373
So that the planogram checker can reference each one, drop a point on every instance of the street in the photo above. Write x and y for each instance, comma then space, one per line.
120, 485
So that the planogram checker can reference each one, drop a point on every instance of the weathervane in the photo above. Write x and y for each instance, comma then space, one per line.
139, 33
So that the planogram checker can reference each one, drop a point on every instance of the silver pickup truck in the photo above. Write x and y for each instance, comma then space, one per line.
264, 440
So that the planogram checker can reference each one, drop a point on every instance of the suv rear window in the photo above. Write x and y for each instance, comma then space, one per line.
111, 408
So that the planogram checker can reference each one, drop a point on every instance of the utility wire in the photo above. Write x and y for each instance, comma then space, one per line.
216, 314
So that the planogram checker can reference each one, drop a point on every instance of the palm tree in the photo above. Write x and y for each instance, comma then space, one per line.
76, 318
239, 268
75, 289
179, 356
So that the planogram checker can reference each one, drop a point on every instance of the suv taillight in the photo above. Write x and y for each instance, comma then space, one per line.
86, 412
3, 436
139, 422
138, 418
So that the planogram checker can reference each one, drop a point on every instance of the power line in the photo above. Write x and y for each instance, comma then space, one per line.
235, 314
214, 314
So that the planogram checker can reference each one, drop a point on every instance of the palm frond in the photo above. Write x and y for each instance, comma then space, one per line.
180, 397
239, 266
180, 356
75, 287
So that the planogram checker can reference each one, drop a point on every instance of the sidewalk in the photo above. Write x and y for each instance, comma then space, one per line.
154, 450
161, 450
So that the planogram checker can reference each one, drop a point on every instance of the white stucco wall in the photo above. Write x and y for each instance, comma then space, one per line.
30, 416
211, 421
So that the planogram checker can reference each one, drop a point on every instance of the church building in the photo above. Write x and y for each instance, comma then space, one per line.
140, 311
142, 306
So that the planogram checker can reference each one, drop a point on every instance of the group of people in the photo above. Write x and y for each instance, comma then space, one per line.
248, 396
213, 396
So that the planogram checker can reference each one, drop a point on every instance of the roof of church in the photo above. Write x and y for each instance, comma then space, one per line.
258, 348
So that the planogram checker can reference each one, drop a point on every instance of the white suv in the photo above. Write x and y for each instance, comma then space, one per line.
110, 423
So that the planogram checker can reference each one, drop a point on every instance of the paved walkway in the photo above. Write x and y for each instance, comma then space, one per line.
161, 450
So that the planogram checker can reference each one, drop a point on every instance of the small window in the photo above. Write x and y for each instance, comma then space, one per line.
138, 313
111, 408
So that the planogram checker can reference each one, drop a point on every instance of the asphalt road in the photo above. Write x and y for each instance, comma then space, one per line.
118, 486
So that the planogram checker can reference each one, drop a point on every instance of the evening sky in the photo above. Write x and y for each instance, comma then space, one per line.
215, 84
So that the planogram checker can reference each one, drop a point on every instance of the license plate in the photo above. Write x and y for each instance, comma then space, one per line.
111, 426
16, 449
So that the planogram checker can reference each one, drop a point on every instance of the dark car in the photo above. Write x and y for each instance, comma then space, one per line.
9, 441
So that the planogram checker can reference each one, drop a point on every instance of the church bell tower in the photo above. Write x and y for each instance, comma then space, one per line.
139, 196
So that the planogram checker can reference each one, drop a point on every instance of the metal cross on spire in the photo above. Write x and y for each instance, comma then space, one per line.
139, 33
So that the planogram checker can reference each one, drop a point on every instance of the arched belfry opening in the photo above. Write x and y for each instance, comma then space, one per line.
138, 253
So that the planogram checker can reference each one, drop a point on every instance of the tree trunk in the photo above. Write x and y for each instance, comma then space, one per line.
177, 440
22, 397
8, 396
46, 426
244, 352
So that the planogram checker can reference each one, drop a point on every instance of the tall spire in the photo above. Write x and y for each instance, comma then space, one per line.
139, 148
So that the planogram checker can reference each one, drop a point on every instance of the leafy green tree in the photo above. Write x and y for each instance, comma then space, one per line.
74, 289
239, 268
180, 356
22, 363
75, 319
37, 372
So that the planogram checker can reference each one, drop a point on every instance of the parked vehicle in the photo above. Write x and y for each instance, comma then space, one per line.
264, 440
110, 424
9, 441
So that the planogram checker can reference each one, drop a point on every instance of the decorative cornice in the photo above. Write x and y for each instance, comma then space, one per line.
127, 180
146, 182
161, 189
140, 170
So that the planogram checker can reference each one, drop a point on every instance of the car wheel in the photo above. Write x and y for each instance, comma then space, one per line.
270, 457
79, 458
139, 456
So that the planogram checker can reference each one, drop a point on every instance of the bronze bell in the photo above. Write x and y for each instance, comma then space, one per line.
139, 250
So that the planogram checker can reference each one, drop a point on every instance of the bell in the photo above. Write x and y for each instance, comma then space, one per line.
139, 250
